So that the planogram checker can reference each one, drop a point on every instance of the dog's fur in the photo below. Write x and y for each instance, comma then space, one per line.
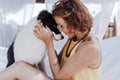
26, 46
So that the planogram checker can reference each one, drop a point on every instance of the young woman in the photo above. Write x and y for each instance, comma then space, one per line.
80, 58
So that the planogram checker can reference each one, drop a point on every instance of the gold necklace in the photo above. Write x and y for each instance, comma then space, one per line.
68, 52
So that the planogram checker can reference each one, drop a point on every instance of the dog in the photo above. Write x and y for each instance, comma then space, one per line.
26, 46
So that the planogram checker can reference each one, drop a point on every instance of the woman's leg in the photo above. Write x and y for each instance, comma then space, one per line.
22, 71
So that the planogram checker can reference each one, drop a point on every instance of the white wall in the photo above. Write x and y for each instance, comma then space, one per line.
13, 15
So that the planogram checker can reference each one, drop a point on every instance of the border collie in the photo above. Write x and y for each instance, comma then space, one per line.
26, 46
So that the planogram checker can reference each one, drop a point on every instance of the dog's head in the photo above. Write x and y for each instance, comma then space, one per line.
49, 21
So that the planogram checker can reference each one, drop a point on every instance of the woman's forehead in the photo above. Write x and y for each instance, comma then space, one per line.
59, 20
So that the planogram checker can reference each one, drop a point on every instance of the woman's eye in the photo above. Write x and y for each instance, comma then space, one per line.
60, 26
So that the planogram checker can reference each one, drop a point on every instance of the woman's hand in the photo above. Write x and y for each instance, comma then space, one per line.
43, 33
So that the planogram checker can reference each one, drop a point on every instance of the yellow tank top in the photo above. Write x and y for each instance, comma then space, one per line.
85, 74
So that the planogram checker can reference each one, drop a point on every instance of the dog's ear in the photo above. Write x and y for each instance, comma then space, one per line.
43, 14
47, 18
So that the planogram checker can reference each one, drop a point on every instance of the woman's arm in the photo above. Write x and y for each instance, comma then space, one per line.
86, 56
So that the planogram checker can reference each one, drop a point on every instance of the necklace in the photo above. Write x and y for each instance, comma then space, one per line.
68, 50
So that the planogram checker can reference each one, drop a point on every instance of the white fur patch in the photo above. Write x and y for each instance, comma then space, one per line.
27, 47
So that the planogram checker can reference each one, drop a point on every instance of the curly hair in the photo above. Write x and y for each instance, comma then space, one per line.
74, 13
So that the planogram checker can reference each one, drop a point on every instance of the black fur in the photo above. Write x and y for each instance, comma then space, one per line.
10, 55
48, 21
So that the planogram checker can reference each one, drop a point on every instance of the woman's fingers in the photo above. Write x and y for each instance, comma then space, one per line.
36, 31
39, 30
40, 24
42, 33
48, 29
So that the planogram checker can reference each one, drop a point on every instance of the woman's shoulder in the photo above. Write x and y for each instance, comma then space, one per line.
91, 40
92, 49
90, 44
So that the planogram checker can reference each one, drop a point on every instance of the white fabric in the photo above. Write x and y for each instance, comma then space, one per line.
3, 58
117, 17
13, 15
111, 58
101, 20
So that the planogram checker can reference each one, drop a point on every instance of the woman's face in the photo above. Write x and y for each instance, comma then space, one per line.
63, 27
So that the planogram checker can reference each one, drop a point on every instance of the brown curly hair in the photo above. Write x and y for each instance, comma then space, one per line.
74, 13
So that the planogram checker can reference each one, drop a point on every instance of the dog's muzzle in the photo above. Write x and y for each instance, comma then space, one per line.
58, 37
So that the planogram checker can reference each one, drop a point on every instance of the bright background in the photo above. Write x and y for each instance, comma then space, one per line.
14, 15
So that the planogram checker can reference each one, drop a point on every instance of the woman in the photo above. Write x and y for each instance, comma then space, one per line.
80, 58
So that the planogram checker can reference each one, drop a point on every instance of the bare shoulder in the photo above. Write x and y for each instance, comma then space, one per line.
91, 50
91, 42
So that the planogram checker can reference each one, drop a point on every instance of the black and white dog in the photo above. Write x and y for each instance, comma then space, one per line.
26, 46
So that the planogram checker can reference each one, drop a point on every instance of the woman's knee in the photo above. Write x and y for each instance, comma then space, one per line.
19, 64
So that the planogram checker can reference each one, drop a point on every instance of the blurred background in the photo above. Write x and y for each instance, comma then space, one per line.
14, 15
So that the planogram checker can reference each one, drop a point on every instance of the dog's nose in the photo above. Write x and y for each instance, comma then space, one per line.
62, 37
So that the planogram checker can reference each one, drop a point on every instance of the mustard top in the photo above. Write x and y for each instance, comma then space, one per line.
85, 74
